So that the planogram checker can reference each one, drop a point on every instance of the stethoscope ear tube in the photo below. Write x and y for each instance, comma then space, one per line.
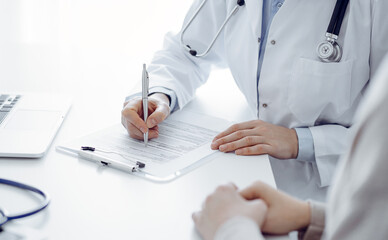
4, 217
188, 47
240, 2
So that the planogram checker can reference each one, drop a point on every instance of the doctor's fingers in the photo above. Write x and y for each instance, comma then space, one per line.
161, 112
259, 149
130, 114
137, 134
242, 137
238, 127
235, 136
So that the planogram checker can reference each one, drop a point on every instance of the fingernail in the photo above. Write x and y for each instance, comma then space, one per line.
143, 130
213, 145
222, 148
153, 121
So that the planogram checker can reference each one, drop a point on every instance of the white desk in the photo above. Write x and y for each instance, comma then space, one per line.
110, 204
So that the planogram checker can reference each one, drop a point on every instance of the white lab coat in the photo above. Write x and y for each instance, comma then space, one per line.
357, 205
297, 88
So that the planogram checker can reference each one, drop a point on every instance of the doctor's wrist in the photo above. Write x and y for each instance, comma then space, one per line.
161, 97
294, 144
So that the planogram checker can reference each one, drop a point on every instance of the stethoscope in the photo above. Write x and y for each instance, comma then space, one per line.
194, 52
328, 51
4, 217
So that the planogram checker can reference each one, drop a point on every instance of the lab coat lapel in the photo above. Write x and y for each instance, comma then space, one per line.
254, 14
254, 9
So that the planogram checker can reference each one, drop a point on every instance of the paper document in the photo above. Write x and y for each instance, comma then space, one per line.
184, 139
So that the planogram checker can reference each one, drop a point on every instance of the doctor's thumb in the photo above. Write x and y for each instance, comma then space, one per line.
160, 113
155, 118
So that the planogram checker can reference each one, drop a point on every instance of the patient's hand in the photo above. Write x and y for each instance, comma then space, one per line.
223, 204
285, 213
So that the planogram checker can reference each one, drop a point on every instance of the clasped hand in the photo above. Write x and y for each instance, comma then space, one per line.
273, 211
257, 137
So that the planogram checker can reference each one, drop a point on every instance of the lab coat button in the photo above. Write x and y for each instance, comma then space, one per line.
273, 42
279, 5
264, 105
259, 39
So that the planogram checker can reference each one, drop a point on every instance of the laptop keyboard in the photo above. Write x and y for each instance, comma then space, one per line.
7, 102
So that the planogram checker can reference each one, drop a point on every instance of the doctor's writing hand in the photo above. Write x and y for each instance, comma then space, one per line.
285, 213
257, 137
223, 204
132, 115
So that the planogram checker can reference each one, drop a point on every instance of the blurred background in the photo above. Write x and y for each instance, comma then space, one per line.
94, 51
90, 49
81, 40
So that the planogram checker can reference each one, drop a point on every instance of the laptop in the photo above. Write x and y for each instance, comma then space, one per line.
29, 123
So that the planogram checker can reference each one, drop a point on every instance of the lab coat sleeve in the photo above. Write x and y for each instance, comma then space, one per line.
305, 145
330, 140
171, 94
174, 68
329, 143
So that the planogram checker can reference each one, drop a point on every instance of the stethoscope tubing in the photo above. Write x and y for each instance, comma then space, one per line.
341, 17
44, 203
337, 17
194, 52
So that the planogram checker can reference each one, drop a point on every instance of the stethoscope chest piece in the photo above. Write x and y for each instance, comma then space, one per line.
329, 51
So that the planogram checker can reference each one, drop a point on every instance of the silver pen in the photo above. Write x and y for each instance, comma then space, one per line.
144, 91
91, 156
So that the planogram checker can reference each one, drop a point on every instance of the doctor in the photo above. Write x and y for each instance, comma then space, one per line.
304, 105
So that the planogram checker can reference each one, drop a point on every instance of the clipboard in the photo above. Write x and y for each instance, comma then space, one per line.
182, 146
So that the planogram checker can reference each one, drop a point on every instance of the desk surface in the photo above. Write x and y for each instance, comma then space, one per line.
88, 203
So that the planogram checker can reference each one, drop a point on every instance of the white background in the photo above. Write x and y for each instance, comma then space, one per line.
94, 49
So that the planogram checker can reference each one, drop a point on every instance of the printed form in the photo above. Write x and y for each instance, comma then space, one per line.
183, 144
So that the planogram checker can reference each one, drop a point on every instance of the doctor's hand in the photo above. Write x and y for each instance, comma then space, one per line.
132, 115
257, 137
285, 213
223, 204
